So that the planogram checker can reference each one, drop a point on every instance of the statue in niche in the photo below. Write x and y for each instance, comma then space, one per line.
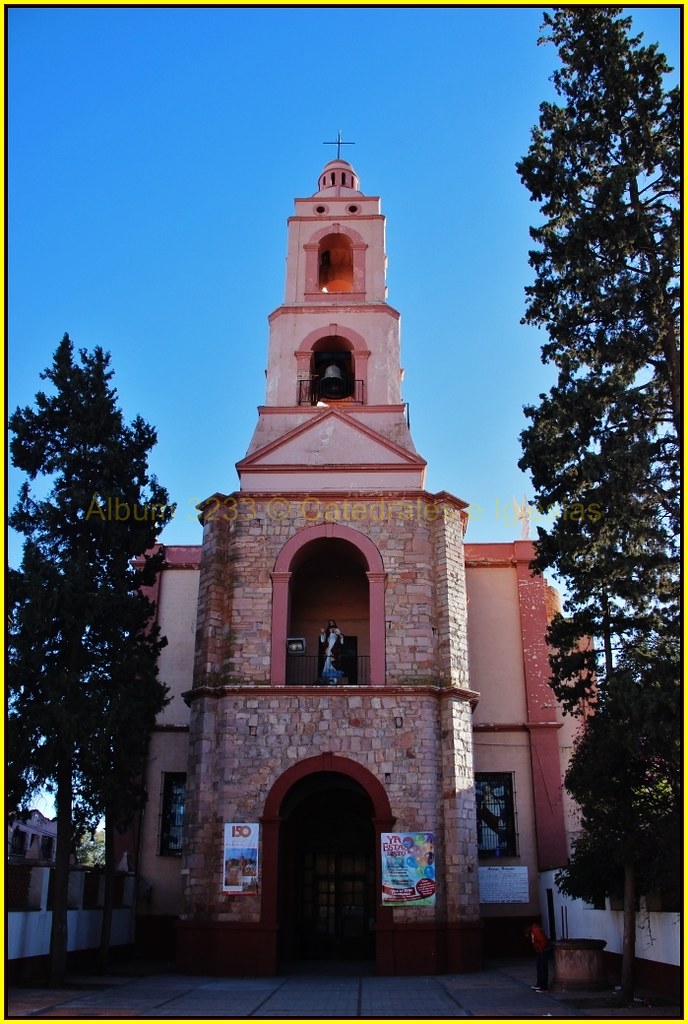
330, 637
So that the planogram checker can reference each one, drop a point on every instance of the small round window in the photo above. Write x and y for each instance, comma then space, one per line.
321, 209
352, 209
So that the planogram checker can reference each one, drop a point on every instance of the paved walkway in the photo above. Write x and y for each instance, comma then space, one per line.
501, 992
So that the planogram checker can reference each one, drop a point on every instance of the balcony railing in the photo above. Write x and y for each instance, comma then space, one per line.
307, 669
310, 392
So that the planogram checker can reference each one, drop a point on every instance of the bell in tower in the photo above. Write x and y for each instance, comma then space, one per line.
332, 384
332, 373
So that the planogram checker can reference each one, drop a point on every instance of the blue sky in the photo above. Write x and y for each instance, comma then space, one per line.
153, 158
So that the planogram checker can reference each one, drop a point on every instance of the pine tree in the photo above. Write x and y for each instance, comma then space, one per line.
82, 636
602, 446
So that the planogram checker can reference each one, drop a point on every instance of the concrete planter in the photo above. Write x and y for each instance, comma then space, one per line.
579, 965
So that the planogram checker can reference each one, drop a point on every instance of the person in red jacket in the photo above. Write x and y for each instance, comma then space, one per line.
543, 951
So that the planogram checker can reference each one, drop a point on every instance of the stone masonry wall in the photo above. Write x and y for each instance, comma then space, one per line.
421, 544
243, 739
458, 796
450, 577
214, 601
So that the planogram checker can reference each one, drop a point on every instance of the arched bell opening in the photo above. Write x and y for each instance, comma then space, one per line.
327, 905
335, 264
329, 583
332, 369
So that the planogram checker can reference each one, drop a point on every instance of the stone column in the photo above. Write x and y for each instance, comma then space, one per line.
214, 595
463, 942
450, 575
280, 618
376, 596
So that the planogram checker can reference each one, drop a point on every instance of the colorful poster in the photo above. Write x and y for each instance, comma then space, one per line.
240, 861
408, 869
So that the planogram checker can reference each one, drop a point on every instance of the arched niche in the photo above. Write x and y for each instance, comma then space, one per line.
335, 264
316, 562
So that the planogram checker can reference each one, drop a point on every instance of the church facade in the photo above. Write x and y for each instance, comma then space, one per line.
362, 758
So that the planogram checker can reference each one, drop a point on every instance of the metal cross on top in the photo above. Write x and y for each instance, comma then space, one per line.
339, 143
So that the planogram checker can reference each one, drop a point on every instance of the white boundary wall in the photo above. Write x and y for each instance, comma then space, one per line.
657, 935
28, 931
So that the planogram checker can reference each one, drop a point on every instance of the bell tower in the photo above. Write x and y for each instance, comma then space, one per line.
333, 417
321, 747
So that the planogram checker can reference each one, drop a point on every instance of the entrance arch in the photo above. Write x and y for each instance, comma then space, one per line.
294, 554
326, 871
321, 828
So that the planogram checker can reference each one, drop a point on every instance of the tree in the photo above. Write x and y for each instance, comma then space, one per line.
114, 764
81, 632
91, 849
626, 783
602, 446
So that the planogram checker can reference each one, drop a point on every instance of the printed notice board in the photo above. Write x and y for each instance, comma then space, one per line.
503, 885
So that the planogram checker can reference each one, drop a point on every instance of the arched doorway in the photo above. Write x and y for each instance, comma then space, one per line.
333, 807
327, 871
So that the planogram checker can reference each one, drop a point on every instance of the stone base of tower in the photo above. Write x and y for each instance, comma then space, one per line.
410, 949
224, 949
403, 764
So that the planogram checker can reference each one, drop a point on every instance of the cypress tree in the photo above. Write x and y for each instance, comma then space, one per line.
602, 445
83, 648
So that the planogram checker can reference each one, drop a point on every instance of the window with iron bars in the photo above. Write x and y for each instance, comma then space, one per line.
172, 813
18, 844
496, 814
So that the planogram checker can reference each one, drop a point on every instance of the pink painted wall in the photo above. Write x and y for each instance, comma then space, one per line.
518, 720
176, 617
495, 643
160, 884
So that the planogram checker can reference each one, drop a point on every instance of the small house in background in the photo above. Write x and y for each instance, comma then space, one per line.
31, 839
